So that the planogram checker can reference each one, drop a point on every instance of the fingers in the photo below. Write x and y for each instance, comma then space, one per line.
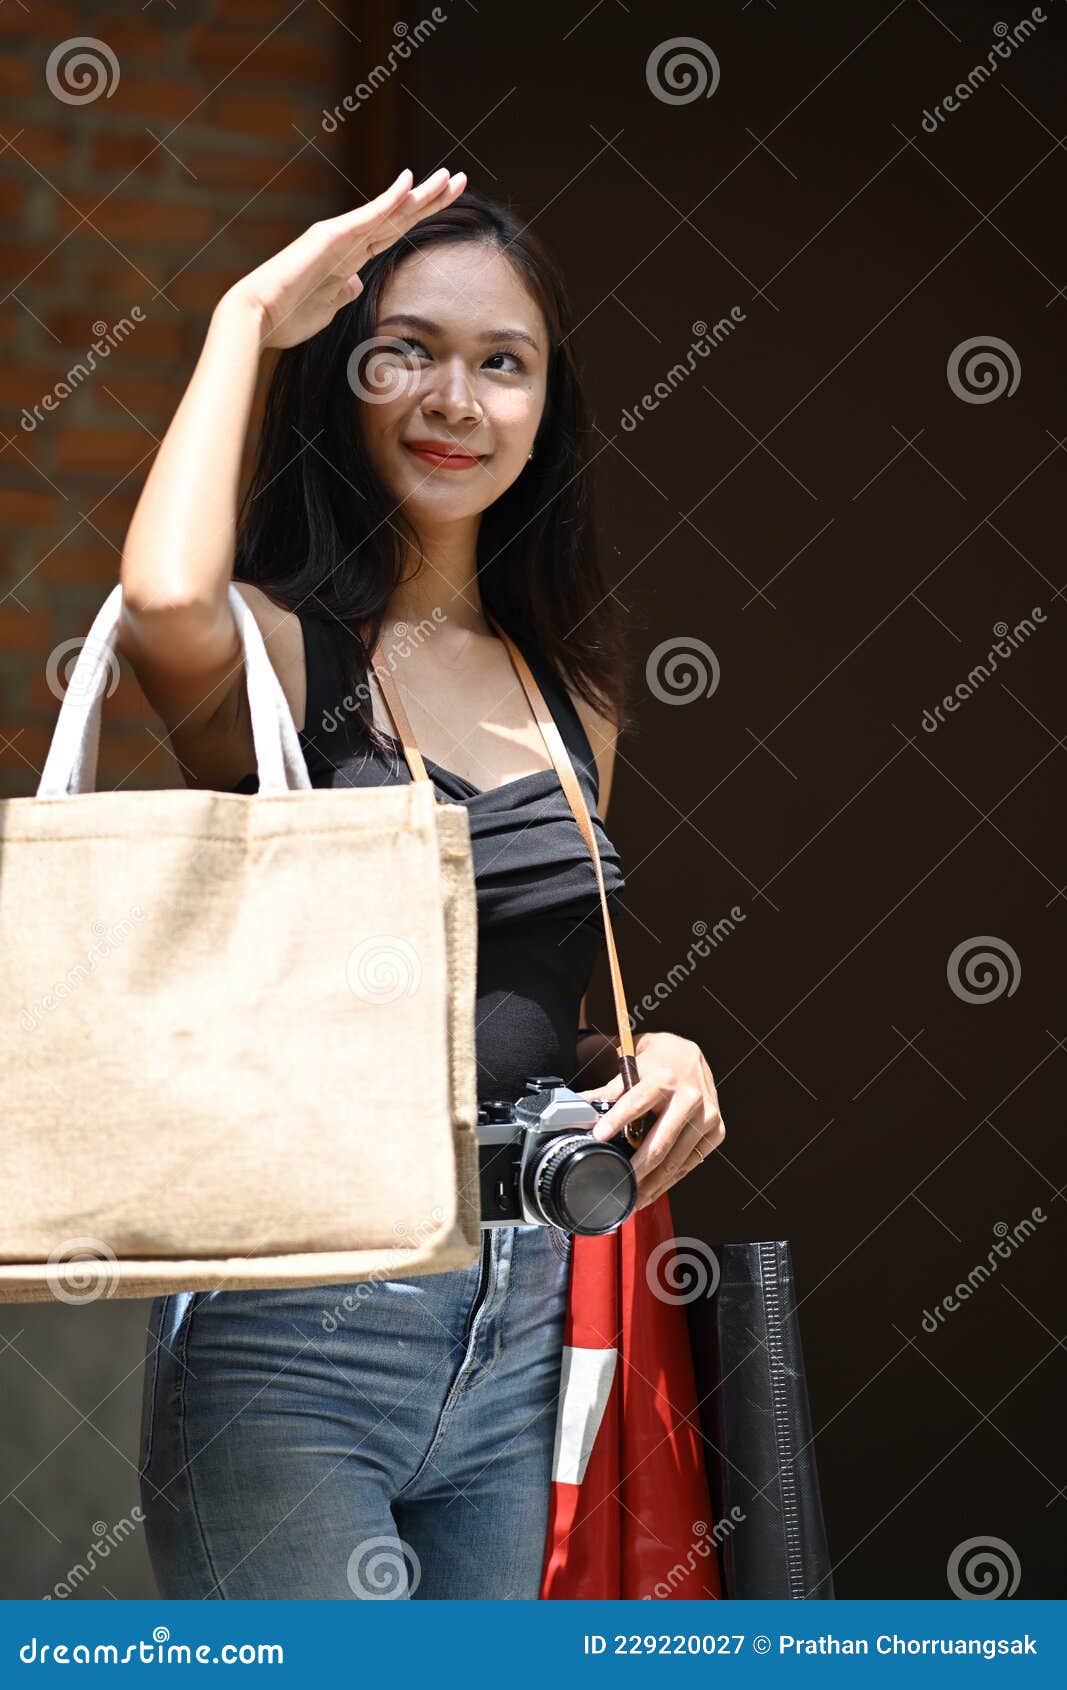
436, 184
341, 229
437, 191
360, 235
346, 293
630, 1105
608, 1092
704, 1132
654, 1189
395, 192
671, 1139
399, 207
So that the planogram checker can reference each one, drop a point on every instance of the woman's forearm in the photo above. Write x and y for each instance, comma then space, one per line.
180, 544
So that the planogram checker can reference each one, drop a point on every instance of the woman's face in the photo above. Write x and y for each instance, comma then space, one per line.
461, 363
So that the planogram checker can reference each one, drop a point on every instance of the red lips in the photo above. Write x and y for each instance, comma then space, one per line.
443, 452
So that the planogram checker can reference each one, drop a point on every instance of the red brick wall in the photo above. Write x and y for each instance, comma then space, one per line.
144, 204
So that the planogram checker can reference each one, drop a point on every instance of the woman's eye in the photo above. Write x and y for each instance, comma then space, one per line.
520, 367
405, 348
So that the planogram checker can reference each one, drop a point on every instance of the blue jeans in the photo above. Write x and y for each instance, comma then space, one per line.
369, 1440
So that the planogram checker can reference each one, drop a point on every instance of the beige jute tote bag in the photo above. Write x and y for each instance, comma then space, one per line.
236, 1032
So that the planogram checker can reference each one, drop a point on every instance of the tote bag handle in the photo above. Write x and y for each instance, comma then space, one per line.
71, 764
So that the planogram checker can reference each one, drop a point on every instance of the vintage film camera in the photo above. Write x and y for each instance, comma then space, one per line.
538, 1162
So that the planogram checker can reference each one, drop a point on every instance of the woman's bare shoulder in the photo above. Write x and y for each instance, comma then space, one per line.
603, 736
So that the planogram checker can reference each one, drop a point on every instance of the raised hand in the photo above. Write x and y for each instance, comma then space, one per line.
298, 291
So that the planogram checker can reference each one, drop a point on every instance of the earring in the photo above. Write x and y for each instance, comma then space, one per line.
529, 455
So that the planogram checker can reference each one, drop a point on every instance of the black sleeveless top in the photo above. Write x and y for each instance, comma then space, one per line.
540, 926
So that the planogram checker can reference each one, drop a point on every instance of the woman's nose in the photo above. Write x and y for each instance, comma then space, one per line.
452, 395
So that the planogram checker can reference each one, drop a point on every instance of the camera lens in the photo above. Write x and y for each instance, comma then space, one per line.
584, 1185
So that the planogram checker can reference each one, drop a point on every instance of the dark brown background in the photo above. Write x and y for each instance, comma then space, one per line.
815, 504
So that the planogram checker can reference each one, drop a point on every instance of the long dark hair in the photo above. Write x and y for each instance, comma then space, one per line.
320, 530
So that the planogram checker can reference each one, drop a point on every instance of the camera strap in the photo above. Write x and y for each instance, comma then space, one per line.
572, 789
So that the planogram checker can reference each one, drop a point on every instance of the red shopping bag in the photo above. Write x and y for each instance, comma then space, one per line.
630, 1511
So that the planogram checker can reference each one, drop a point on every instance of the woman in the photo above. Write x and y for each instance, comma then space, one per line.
422, 460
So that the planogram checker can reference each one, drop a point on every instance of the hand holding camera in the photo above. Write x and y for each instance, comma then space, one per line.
540, 1164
